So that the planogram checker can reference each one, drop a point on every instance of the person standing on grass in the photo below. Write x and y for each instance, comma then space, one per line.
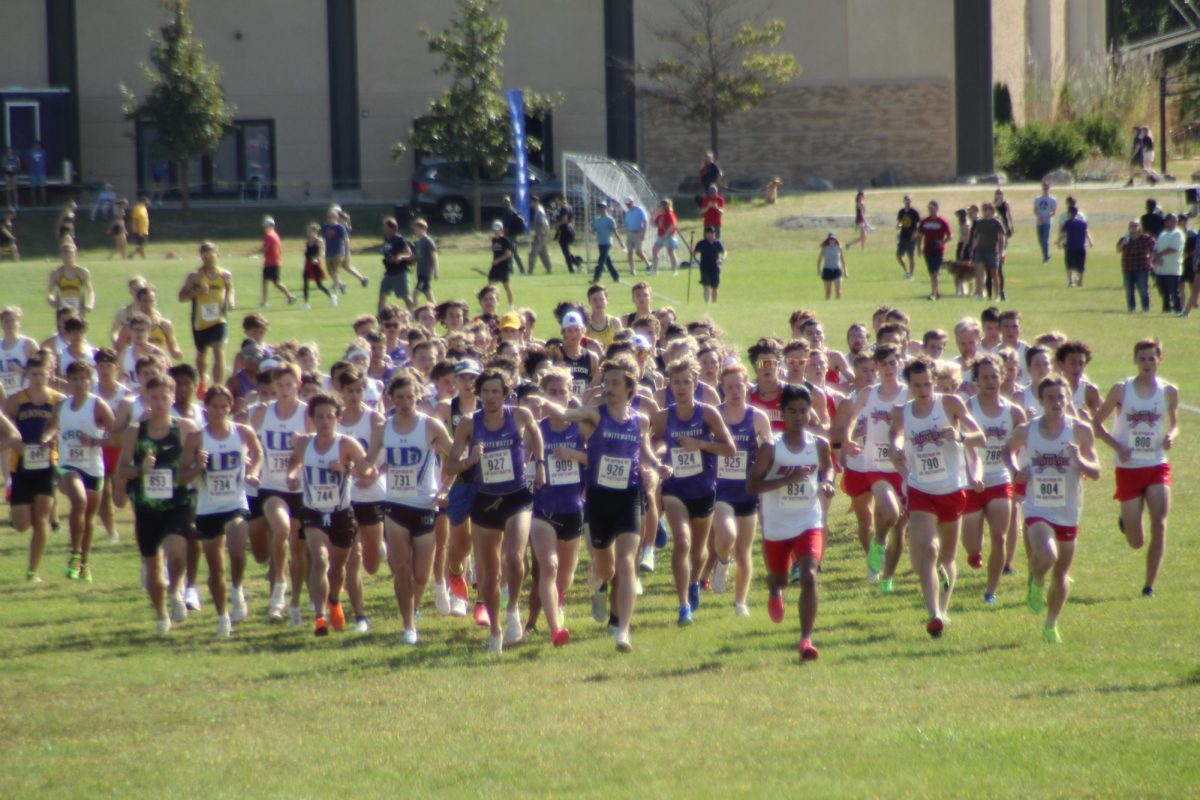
501, 268
907, 220
1074, 238
666, 226
1044, 208
636, 223
539, 226
710, 172
935, 231
792, 474
1153, 220
1137, 252
605, 229
712, 209
139, 226
831, 264
1168, 264
210, 291
84, 420
564, 232
1059, 450
514, 228
426, 253
710, 253
1146, 428
272, 253
861, 226
988, 244
1187, 281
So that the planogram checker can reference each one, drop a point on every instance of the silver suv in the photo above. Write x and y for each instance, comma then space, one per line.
442, 189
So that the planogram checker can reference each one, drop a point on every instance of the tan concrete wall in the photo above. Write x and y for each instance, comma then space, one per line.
23, 61
846, 134
913, 40
278, 70
551, 47
1086, 21
1009, 50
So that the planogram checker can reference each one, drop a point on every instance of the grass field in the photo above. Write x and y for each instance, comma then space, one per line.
96, 705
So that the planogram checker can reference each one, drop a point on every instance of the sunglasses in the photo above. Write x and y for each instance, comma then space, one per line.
766, 363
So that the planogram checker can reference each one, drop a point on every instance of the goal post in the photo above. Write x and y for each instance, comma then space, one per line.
588, 178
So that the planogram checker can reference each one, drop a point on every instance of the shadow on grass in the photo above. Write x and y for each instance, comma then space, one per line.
1189, 681
934, 650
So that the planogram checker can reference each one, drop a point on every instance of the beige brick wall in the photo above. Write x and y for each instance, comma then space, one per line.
1010, 56
846, 134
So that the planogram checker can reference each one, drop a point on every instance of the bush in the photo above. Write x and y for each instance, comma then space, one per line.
1002, 145
1101, 134
1038, 148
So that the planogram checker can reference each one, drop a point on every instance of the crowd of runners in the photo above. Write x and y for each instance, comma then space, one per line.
462, 448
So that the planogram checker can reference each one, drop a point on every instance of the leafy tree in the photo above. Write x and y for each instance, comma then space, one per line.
186, 103
469, 121
720, 63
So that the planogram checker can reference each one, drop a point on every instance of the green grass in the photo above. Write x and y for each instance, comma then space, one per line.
95, 705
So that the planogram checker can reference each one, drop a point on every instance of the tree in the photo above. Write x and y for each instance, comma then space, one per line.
186, 103
469, 121
720, 63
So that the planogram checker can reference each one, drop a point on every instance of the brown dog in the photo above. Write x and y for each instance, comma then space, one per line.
771, 193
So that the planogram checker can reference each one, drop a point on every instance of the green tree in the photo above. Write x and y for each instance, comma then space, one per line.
185, 103
469, 121
720, 63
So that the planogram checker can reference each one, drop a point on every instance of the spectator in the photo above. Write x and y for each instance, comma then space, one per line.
514, 227
1136, 249
1152, 221
540, 228
710, 254
1135, 156
935, 232
636, 223
710, 173
425, 251
906, 236
1168, 264
139, 226
37, 173
11, 165
1044, 208
667, 227
564, 232
606, 230
989, 242
713, 209
1074, 238
160, 172
106, 203
1188, 285
8, 236
1148, 156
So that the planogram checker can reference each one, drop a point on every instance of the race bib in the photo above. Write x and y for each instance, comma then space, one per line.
324, 497
402, 483
993, 456
1143, 443
11, 381
580, 387
76, 454
1049, 491
563, 471
732, 468
210, 312
931, 467
72, 303
497, 466
685, 463
614, 472
221, 485
277, 464
796, 495
159, 484
37, 457
881, 455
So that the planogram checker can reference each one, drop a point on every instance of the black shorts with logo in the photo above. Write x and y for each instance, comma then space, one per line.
338, 525
210, 526
493, 510
417, 521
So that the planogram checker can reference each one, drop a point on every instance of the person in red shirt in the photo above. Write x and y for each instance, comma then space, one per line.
713, 209
935, 232
272, 253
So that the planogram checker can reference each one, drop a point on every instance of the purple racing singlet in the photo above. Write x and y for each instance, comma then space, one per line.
732, 470
692, 472
613, 451
502, 468
563, 492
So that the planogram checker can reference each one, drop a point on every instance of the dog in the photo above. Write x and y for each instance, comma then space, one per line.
771, 193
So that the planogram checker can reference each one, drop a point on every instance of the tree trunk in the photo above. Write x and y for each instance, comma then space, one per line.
476, 196
712, 137
184, 168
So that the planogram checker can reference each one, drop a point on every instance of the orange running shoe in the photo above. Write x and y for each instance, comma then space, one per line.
320, 628
458, 586
337, 618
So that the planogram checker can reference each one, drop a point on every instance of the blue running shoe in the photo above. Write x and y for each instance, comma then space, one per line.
989, 598
694, 595
661, 538
685, 616
795, 575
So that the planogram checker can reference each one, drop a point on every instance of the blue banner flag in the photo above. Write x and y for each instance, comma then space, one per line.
516, 109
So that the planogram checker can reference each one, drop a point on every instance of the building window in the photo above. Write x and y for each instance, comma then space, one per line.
243, 164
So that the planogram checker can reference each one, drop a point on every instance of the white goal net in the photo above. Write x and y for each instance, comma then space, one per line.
588, 178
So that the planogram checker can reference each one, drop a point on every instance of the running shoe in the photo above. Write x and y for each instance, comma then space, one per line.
294, 618
458, 607
163, 626
614, 625
224, 627
337, 617
795, 575
410, 636
305, 307
1008, 570
660, 537
875, 556
73, 567
1052, 635
807, 651
495, 644
935, 627
989, 598
482, 618
975, 560
694, 595
176, 608
320, 626
333, 300
685, 615
32, 577
458, 586
886, 586
872, 576
624, 644
741, 610
114, 537
943, 578
1035, 597
1147, 591
514, 632
191, 598
291, 299
600, 604
441, 598
775, 608
277, 603
365, 280
638, 589
362, 624
647, 563
560, 636
720, 577
237, 602
85, 572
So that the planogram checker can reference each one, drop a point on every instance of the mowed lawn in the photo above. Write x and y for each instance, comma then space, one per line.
96, 705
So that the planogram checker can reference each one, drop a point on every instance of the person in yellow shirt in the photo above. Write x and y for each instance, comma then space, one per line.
70, 284
139, 226
210, 291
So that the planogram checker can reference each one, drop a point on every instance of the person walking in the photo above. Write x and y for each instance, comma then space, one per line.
540, 230
989, 241
935, 232
514, 229
605, 229
271, 251
907, 220
1136, 249
1044, 208
564, 232
710, 254
636, 222
426, 252
831, 265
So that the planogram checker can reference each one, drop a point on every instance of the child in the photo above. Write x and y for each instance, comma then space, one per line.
313, 269
831, 265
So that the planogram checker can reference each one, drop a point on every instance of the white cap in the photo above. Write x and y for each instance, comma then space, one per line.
268, 221
497, 225
572, 319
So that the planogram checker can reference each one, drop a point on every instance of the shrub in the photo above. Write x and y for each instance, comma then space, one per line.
1038, 148
1101, 135
1002, 145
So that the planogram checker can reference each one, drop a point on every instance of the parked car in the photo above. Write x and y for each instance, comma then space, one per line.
442, 189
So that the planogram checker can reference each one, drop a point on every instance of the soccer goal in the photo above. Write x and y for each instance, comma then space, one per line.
588, 178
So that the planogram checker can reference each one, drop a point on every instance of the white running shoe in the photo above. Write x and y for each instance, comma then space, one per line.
495, 644
469, 570
333, 300
238, 610
872, 575
294, 618
191, 598
624, 643
647, 563
224, 627
305, 307
720, 577
114, 537
514, 631
362, 625
410, 636
441, 598
163, 626
278, 602
458, 607
741, 610
176, 609
637, 586
600, 605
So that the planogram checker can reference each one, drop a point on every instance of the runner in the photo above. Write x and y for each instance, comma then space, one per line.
84, 420
151, 456
116, 396
222, 457
1060, 452
32, 497
579, 361
501, 267
766, 355
693, 434
460, 495
736, 514
139, 346
1146, 428
597, 297
336, 234
210, 291
15, 350
935, 427
70, 284
496, 439
990, 498
800, 471
1071, 360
